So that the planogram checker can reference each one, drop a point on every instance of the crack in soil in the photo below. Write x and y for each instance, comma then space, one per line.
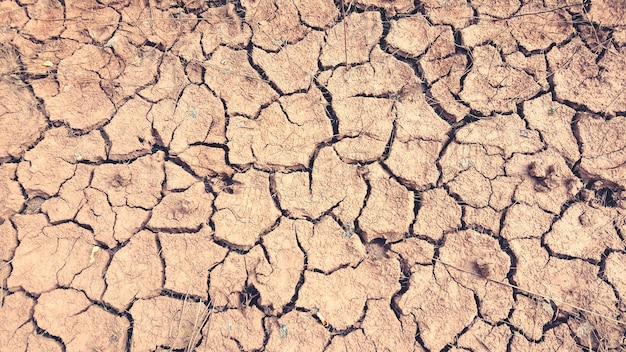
276, 174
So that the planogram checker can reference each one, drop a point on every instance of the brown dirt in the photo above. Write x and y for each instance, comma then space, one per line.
275, 175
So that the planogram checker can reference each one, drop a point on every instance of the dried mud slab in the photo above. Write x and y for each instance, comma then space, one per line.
383, 75
219, 25
430, 309
182, 211
11, 198
135, 272
235, 328
137, 184
227, 281
68, 314
394, 223
16, 330
457, 13
228, 69
572, 282
311, 195
341, 246
367, 124
165, 321
20, 119
81, 103
351, 288
483, 334
412, 36
241, 224
362, 30
63, 149
438, 208
197, 116
129, 131
525, 221
295, 329
581, 77
294, 66
473, 252
584, 232
274, 23
506, 133
599, 157
284, 136
317, 13
545, 180
275, 269
536, 26
188, 259
554, 121
493, 86
280, 175
48, 256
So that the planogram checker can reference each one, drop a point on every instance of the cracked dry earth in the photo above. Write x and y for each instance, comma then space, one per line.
212, 176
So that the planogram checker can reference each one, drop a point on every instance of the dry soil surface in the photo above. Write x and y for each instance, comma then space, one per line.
310, 175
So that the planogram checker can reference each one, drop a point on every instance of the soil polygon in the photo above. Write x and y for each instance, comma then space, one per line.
314, 175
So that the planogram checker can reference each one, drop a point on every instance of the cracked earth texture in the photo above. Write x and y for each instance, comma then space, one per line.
284, 175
